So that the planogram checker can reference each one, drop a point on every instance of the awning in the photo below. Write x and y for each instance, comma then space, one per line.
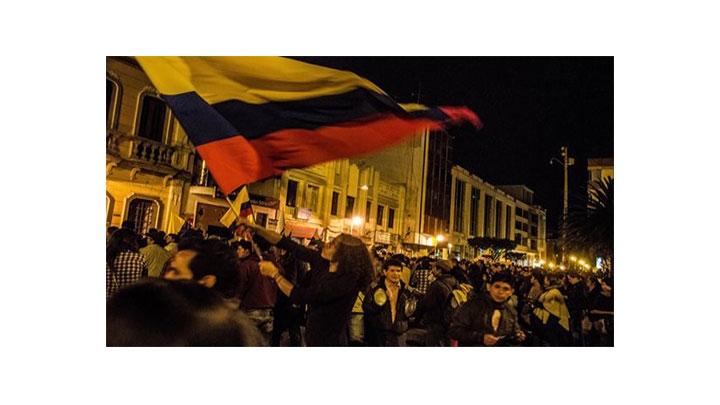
298, 231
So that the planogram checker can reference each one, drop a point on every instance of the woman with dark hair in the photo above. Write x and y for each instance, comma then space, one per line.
124, 264
337, 273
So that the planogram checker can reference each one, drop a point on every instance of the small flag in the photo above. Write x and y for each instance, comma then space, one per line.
242, 206
175, 224
251, 118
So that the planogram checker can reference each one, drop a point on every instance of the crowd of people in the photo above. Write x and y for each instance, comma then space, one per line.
265, 289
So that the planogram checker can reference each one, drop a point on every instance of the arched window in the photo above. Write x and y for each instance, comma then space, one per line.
143, 213
153, 115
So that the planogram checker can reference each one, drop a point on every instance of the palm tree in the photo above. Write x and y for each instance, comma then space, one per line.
589, 227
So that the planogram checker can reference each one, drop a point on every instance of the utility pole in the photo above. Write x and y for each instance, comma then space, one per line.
567, 161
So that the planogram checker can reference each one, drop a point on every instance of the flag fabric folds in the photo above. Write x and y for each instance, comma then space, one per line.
250, 118
241, 206
175, 223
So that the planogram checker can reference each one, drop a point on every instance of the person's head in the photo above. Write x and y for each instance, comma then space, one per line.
573, 277
262, 244
122, 240
171, 238
538, 278
155, 237
404, 260
442, 266
351, 255
243, 248
111, 230
210, 262
553, 279
392, 270
501, 286
156, 312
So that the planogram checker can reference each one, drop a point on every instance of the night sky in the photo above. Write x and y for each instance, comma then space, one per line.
531, 106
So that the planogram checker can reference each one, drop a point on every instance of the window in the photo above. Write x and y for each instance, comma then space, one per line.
290, 197
474, 205
518, 225
534, 218
334, 203
488, 215
368, 207
111, 94
312, 196
533, 231
391, 218
533, 244
349, 207
459, 205
518, 212
508, 221
152, 118
498, 219
381, 209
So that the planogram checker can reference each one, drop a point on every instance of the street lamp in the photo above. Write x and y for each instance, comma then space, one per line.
438, 239
356, 220
567, 161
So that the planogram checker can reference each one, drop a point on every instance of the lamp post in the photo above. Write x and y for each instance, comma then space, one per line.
567, 161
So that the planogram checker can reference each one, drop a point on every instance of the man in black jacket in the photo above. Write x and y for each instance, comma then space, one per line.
384, 308
488, 319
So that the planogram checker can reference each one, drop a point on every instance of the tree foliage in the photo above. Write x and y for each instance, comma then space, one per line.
498, 246
589, 227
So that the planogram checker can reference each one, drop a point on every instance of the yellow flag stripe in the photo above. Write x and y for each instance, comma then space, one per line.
254, 80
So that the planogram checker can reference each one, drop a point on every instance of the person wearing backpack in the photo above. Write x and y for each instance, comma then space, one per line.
489, 319
431, 308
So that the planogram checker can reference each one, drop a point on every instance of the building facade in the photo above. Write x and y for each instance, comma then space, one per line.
480, 209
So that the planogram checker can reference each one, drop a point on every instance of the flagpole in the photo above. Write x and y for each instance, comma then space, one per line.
237, 216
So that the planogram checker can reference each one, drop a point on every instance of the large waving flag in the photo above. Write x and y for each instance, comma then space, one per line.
253, 117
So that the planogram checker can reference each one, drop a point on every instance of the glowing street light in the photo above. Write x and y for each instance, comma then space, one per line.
438, 239
356, 221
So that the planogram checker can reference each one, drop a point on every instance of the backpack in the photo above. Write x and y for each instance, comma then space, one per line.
455, 299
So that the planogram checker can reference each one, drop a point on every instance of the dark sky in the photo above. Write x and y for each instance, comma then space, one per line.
531, 106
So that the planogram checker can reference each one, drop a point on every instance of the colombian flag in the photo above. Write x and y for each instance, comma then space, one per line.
250, 118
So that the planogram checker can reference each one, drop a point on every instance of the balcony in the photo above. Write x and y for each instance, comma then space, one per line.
150, 154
